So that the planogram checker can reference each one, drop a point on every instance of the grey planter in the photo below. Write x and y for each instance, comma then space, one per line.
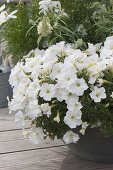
0, 60
94, 146
5, 89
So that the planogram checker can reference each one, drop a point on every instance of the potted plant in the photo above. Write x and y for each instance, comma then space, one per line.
64, 88
5, 67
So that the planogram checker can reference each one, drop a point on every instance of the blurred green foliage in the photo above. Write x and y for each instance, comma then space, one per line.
89, 20
19, 43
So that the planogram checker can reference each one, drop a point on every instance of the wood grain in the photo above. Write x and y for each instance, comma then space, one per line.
17, 153
24, 145
48, 159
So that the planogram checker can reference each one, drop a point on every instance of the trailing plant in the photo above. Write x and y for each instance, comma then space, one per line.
57, 103
64, 88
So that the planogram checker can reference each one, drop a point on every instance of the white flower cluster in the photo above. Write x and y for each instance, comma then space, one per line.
51, 11
4, 16
47, 6
52, 75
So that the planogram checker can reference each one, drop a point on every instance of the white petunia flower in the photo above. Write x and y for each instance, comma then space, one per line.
59, 94
92, 79
19, 119
73, 118
19, 96
76, 59
66, 79
91, 60
97, 68
109, 42
18, 75
63, 94
74, 105
91, 49
69, 97
56, 70
46, 70
78, 87
20, 91
31, 64
47, 91
36, 135
70, 137
33, 110
33, 89
98, 94
17, 104
107, 50
46, 109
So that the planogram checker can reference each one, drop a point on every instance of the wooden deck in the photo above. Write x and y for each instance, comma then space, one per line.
17, 153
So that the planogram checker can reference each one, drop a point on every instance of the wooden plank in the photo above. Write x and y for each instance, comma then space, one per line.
24, 145
70, 164
7, 126
13, 141
58, 165
27, 157
10, 125
11, 136
8, 117
4, 110
48, 159
4, 114
6, 120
